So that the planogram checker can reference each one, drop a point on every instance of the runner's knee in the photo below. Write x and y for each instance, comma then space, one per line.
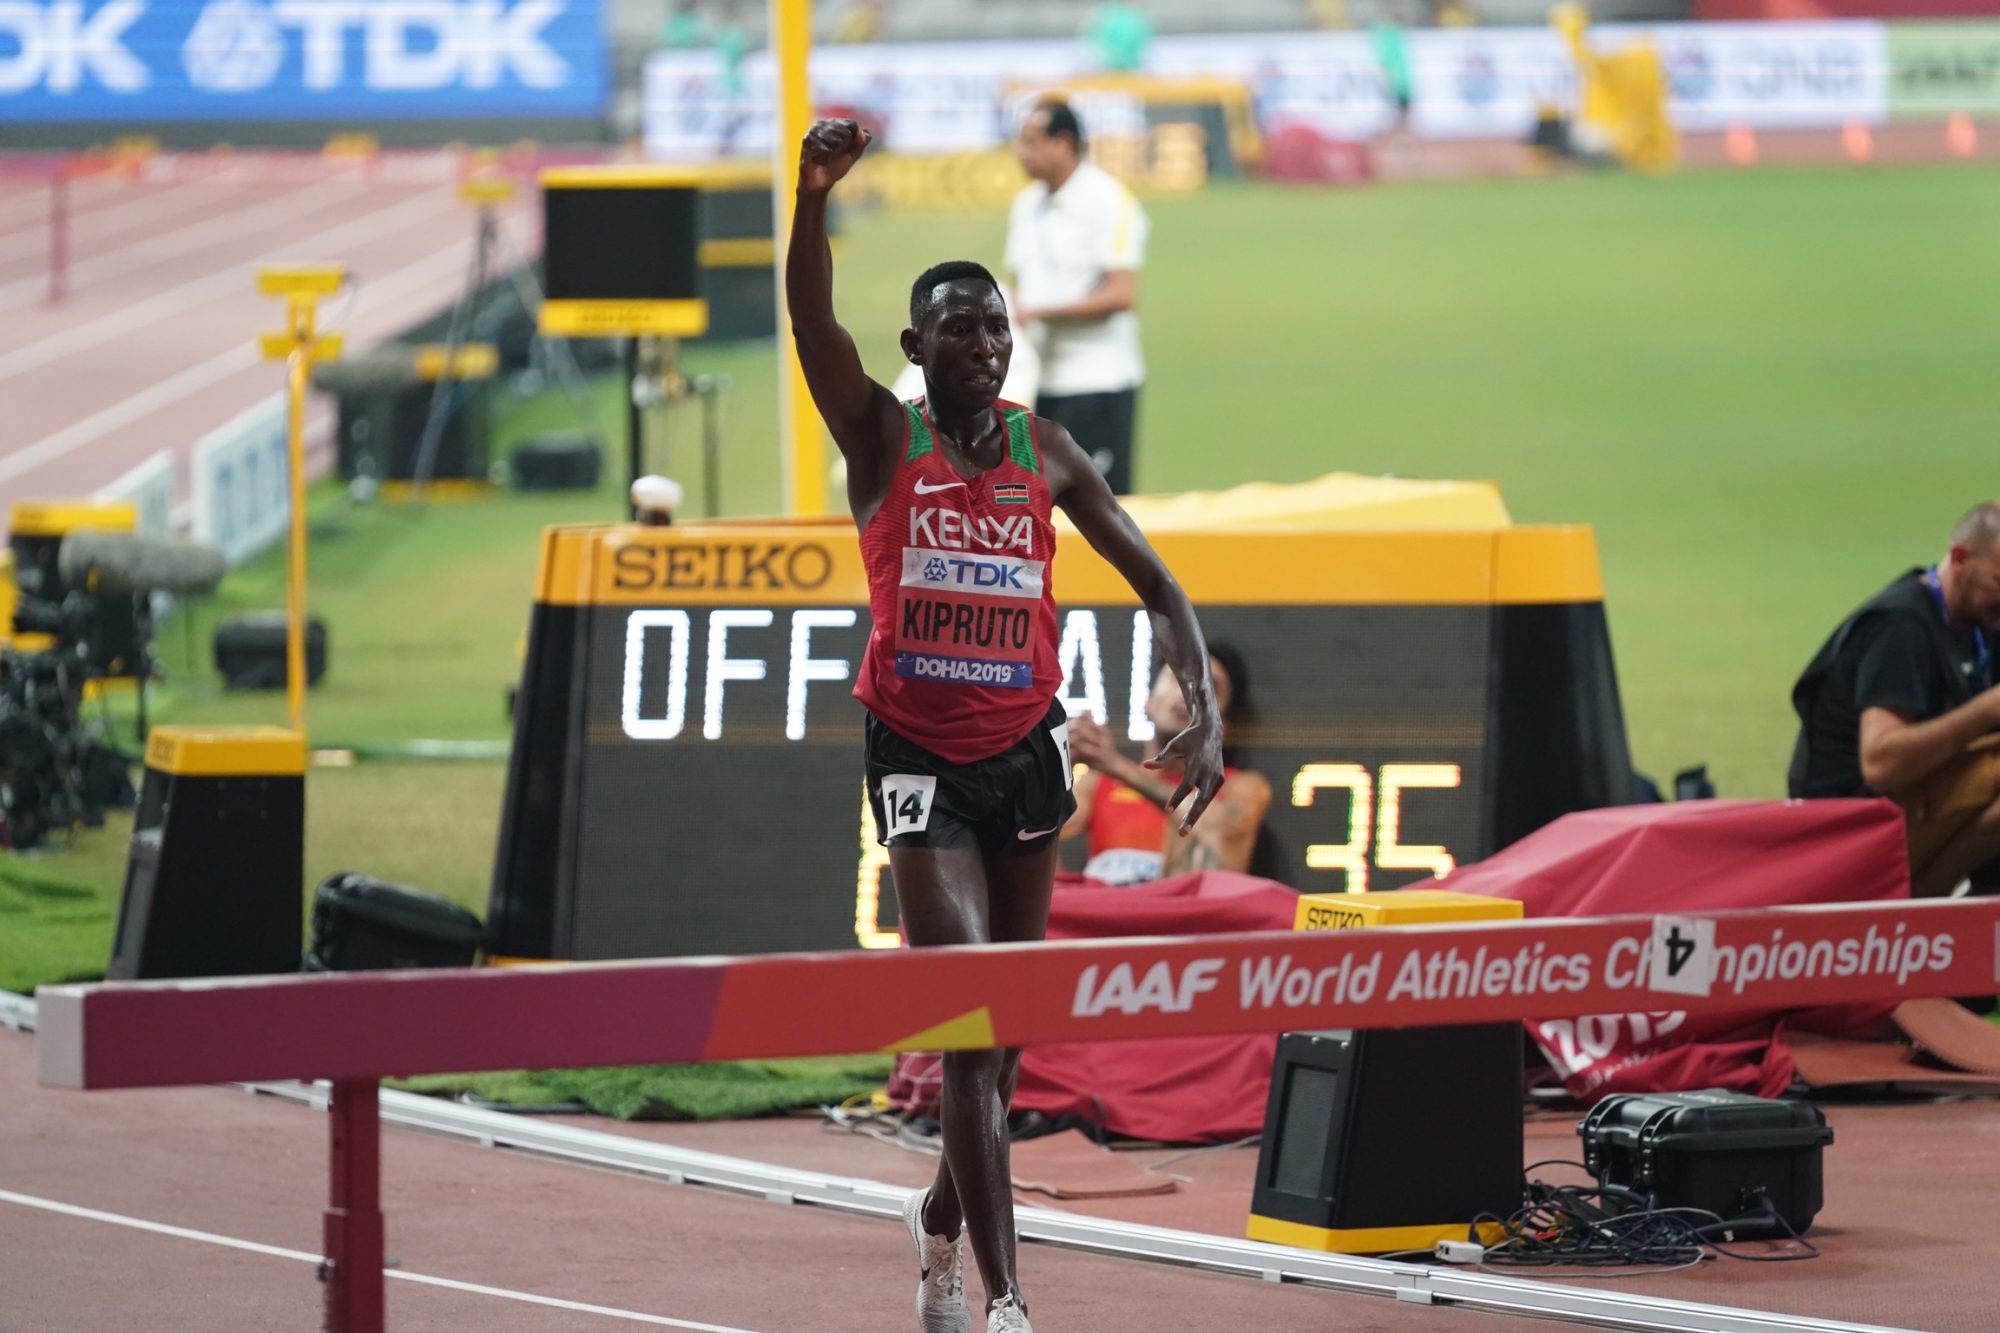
978, 1066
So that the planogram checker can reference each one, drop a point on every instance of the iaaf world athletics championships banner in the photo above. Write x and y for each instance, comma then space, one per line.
959, 97
139, 61
355, 1024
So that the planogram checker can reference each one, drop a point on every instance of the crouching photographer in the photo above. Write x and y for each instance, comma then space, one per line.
1902, 702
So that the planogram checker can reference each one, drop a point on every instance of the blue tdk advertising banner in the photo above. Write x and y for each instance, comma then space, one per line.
140, 60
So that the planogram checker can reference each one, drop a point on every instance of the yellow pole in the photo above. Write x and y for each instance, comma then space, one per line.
802, 459
299, 364
299, 345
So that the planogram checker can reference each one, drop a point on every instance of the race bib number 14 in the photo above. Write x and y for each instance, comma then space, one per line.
906, 802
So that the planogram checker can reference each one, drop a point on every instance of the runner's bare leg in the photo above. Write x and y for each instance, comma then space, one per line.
952, 896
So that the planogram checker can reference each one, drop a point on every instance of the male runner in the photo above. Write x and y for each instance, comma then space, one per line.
967, 757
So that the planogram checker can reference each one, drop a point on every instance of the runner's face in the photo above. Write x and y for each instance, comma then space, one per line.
967, 344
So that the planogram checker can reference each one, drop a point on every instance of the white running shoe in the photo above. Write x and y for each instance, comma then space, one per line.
941, 1306
1007, 1315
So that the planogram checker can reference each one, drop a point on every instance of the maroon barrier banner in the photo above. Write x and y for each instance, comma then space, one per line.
364, 1024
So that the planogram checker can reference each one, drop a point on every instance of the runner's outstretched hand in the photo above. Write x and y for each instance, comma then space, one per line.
1199, 747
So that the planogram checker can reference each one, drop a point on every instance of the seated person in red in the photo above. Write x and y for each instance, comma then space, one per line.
1121, 802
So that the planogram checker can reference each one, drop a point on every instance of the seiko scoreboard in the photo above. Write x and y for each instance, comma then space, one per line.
686, 772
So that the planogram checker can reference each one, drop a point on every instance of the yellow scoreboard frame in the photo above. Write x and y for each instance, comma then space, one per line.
686, 774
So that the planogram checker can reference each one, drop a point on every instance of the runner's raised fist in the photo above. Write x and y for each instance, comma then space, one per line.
830, 150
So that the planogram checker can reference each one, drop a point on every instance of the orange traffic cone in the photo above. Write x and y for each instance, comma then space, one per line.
1961, 136
1739, 145
1857, 141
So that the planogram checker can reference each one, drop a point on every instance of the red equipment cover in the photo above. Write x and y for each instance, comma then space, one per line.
1694, 856
1685, 856
1178, 1089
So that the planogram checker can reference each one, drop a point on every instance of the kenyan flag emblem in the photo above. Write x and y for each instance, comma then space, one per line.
1011, 493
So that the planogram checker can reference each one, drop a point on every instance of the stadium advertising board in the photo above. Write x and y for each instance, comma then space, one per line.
1331, 82
374, 60
1936, 69
1487, 83
150, 488
240, 478
937, 98
931, 97
1769, 75
961, 97
686, 770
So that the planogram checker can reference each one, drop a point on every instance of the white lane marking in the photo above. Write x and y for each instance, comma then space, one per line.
229, 280
175, 241
27, 204
90, 224
168, 243
278, 1252
218, 367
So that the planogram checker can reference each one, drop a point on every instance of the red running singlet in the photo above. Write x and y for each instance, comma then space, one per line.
962, 657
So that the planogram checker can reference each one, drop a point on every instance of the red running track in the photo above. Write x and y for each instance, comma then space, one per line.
252, 1169
154, 345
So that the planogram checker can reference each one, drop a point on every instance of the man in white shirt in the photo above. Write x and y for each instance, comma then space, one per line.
1076, 239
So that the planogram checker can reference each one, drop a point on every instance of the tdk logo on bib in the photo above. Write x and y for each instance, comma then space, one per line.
953, 571
380, 58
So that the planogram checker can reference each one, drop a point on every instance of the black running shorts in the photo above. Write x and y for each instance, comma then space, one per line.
1014, 802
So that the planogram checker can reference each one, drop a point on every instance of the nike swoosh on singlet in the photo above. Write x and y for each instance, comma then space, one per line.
1026, 835
941, 486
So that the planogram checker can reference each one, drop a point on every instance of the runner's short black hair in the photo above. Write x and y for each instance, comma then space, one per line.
924, 290
1063, 123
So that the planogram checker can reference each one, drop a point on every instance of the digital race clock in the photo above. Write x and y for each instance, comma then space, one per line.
686, 772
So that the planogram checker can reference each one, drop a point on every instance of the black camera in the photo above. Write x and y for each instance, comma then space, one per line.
105, 635
90, 597
41, 786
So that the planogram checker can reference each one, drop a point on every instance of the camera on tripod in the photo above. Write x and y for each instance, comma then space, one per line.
82, 617
37, 743
69, 621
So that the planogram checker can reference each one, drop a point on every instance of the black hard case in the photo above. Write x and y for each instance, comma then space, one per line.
1711, 1150
361, 923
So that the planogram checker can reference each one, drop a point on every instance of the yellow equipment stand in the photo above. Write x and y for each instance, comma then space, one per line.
1399, 907
1388, 1141
8, 595
594, 220
35, 529
431, 363
300, 345
214, 880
